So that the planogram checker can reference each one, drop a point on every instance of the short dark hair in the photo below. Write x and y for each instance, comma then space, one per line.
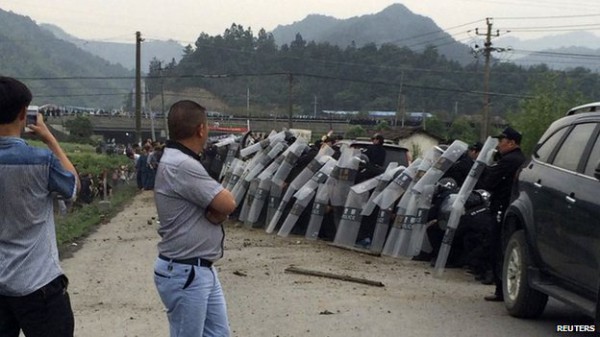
184, 118
14, 96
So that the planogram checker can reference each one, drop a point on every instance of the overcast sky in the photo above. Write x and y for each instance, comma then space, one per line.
184, 20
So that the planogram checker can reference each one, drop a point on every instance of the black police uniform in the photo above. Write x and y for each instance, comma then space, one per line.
498, 179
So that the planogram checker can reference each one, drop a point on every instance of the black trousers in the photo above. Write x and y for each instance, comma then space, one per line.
45, 312
497, 253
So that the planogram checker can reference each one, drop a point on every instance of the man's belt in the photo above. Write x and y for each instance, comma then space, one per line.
195, 261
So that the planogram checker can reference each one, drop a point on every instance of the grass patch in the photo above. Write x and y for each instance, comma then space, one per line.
67, 147
84, 219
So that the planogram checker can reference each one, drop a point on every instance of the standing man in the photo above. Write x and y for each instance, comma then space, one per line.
376, 152
498, 179
191, 208
33, 288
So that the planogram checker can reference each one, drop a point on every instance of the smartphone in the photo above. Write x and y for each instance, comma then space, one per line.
31, 117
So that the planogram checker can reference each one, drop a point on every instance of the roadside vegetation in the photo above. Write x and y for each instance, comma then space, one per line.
81, 218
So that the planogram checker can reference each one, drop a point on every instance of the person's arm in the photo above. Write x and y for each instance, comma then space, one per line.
220, 207
48, 138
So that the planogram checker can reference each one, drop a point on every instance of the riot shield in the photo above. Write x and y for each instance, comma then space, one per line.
296, 184
382, 181
232, 151
255, 167
458, 207
278, 185
420, 222
291, 156
318, 212
273, 136
449, 157
397, 240
238, 167
262, 193
350, 221
397, 186
304, 196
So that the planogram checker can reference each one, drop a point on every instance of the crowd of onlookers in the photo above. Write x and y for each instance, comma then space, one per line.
101, 186
146, 158
141, 172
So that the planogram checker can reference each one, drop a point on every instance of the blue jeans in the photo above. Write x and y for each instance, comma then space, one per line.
194, 299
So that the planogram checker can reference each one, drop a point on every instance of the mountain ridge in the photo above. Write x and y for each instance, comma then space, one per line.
123, 53
55, 70
395, 24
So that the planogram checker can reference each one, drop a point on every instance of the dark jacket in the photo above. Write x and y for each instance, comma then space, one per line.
498, 178
376, 154
459, 171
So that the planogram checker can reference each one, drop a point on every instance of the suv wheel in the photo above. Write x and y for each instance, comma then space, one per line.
519, 298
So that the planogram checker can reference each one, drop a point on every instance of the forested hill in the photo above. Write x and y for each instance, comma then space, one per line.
253, 71
258, 76
396, 24
57, 71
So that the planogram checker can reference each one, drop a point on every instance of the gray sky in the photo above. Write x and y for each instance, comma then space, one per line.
184, 20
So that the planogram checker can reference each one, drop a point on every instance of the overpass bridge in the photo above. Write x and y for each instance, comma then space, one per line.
122, 128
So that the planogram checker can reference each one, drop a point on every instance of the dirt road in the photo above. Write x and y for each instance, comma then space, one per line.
113, 293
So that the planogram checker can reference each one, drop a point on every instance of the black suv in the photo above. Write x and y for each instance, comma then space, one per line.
551, 230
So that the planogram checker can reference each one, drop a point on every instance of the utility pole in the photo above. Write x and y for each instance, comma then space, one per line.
148, 106
138, 88
455, 110
315, 106
248, 101
162, 99
400, 104
290, 107
487, 50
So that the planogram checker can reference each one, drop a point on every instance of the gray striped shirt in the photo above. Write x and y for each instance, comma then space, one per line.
182, 191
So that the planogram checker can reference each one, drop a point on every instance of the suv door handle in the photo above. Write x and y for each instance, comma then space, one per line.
537, 184
570, 199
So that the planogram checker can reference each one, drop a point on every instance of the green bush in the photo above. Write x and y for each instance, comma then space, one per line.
96, 163
85, 158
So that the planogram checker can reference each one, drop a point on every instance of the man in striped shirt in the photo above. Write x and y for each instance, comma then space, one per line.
33, 288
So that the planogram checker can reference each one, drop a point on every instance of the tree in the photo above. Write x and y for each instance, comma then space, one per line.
383, 125
355, 131
553, 95
435, 126
80, 129
462, 129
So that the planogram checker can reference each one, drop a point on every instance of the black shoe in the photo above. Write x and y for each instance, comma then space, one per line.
494, 298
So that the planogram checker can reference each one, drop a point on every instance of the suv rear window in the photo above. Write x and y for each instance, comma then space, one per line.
571, 151
545, 150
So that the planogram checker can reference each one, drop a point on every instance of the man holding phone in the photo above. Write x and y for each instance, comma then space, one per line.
33, 287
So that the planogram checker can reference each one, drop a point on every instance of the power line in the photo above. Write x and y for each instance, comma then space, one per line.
295, 74
556, 54
553, 28
547, 17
